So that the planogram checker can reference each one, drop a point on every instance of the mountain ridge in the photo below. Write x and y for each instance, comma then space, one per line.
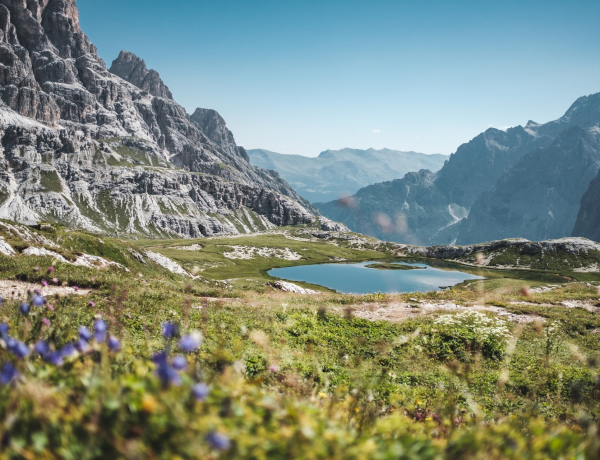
469, 177
335, 173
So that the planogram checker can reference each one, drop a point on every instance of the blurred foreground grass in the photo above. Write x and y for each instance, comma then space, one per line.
291, 376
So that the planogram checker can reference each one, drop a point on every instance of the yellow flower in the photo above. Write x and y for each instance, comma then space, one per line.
149, 403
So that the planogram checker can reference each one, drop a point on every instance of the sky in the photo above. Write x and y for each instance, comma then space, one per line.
301, 77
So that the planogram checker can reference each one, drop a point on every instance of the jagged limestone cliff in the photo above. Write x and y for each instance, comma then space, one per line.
111, 150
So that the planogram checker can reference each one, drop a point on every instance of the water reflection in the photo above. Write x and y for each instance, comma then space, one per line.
358, 279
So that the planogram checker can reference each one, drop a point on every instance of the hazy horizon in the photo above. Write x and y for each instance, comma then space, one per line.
304, 78
345, 148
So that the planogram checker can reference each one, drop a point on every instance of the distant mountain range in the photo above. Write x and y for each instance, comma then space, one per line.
336, 173
531, 182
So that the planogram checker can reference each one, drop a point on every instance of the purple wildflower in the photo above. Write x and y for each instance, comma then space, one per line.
100, 331
190, 342
41, 348
81, 345
55, 280
168, 375
4, 328
54, 358
8, 373
44, 283
169, 330
67, 350
200, 391
50, 269
46, 321
92, 304
85, 333
76, 288
179, 363
114, 344
218, 441
24, 308
19, 349
160, 358
39, 301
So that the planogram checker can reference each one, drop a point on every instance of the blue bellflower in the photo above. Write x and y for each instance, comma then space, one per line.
100, 331
169, 330
54, 358
190, 342
81, 345
38, 301
218, 441
8, 374
24, 308
114, 344
19, 349
67, 350
200, 391
85, 334
41, 348
168, 375
4, 328
179, 363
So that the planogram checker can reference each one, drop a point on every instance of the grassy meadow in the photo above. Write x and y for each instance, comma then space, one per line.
284, 376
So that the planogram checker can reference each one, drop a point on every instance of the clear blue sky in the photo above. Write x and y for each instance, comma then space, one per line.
310, 75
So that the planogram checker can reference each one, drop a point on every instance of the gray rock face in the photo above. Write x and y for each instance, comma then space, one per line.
331, 226
410, 210
89, 148
580, 254
588, 219
539, 197
526, 181
477, 165
336, 173
133, 69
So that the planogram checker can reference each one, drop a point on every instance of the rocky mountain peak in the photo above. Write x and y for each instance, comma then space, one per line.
213, 126
133, 69
112, 151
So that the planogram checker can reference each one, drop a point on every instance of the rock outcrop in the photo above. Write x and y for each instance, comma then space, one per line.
577, 254
112, 151
133, 69
588, 219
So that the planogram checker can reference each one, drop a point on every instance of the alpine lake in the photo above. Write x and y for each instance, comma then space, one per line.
419, 275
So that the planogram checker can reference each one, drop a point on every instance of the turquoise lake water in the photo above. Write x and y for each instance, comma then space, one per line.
357, 279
